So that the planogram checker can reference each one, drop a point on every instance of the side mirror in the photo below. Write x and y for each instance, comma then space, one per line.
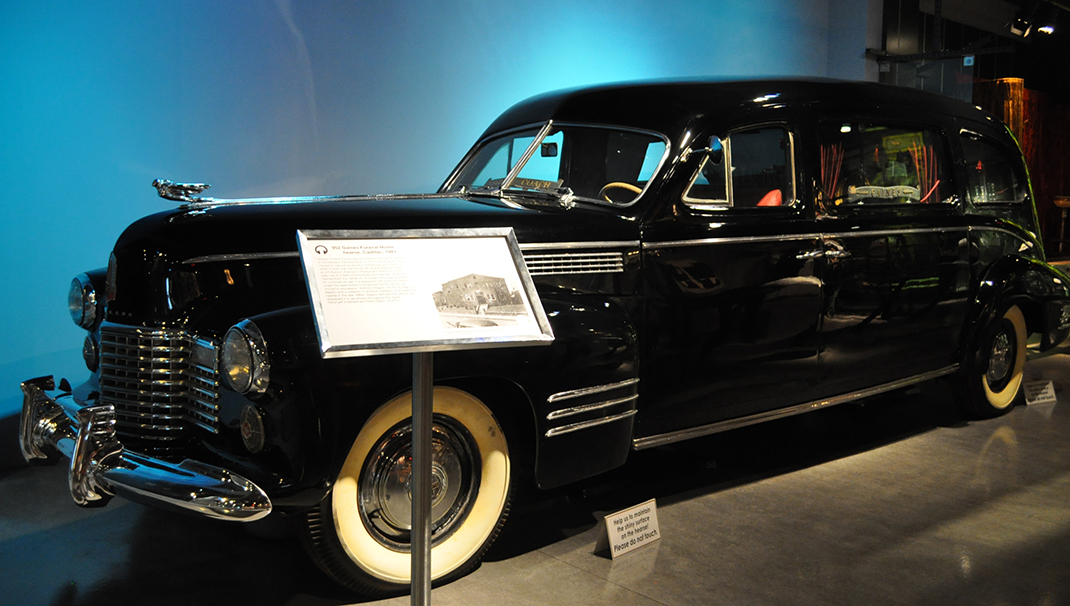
715, 151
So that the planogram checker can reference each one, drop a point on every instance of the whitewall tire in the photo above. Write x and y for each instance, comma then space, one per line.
993, 378
360, 533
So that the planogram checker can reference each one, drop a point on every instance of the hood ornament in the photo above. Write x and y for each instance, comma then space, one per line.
180, 192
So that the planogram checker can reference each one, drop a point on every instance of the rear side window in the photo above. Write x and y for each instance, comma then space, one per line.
756, 170
992, 171
865, 163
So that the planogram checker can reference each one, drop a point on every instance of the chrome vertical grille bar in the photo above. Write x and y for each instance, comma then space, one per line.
161, 382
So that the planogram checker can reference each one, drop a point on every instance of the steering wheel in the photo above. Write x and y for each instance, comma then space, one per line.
617, 185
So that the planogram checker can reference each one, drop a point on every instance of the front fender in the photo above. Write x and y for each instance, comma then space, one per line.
593, 361
1040, 290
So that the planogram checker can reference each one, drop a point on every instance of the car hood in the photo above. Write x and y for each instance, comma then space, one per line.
271, 226
184, 265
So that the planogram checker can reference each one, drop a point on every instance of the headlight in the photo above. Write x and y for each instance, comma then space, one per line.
82, 301
245, 359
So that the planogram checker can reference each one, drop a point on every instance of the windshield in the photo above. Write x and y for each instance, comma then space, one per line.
600, 164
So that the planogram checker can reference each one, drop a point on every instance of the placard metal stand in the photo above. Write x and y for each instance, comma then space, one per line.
422, 411
420, 291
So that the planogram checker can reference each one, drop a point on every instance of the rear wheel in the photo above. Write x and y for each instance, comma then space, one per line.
992, 376
360, 534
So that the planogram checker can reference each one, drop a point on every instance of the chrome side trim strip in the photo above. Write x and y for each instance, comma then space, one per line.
294, 254
742, 240
809, 236
586, 391
575, 410
897, 232
556, 431
712, 428
574, 245
242, 257
203, 203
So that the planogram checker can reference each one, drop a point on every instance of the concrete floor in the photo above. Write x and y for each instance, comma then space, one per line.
894, 501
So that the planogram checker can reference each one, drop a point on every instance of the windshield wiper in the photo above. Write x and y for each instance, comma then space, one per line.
561, 196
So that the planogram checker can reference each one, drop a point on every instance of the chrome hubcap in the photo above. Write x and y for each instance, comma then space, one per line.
385, 497
1000, 359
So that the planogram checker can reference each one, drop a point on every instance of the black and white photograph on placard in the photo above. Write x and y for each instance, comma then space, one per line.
477, 300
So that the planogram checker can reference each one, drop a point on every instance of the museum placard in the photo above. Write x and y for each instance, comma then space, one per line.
377, 292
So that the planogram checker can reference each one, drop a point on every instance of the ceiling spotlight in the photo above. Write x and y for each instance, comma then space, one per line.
1020, 26
1047, 26
1025, 18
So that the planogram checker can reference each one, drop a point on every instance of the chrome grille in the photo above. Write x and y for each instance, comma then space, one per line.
163, 384
543, 264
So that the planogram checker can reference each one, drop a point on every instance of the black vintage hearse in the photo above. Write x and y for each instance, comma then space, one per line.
709, 255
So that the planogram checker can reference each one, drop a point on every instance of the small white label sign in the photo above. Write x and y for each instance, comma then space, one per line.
632, 528
1040, 392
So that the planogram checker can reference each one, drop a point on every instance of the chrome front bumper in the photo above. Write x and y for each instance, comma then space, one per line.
53, 423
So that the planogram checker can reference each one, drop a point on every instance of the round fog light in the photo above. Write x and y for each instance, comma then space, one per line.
90, 353
252, 429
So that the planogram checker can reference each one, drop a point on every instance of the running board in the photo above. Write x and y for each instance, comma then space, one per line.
705, 430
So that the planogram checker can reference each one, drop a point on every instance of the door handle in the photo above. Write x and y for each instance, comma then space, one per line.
835, 250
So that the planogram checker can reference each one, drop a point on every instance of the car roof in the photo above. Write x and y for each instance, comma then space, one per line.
667, 106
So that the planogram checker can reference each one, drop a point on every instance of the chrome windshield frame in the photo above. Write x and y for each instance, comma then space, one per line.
542, 133
528, 153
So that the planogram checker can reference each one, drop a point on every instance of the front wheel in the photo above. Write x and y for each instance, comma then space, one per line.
992, 375
360, 534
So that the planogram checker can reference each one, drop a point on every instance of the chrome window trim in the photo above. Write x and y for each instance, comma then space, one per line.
994, 142
709, 205
557, 431
938, 131
809, 236
721, 426
653, 176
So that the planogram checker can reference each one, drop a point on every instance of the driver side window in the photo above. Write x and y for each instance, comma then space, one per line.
756, 170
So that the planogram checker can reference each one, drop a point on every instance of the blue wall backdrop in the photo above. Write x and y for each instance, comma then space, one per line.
97, 99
